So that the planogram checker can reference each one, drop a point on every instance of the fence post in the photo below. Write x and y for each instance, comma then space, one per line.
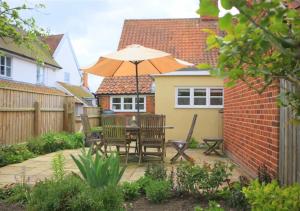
37, 118
65, 119
71, 115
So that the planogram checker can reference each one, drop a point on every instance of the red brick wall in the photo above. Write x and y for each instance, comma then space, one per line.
104, 102
251, 127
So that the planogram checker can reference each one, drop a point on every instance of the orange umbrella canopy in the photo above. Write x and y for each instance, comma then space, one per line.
122, 62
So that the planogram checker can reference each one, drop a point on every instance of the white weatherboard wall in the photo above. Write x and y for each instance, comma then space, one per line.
26, 71
65, 57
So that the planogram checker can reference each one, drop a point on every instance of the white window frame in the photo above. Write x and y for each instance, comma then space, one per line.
41, 69
5, 66
122, 103
191, 105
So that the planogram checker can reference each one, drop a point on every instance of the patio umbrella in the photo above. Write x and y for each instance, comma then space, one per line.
135, 60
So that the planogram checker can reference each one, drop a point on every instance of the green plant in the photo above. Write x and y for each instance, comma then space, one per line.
204, 179
158, 191
99, 172
131, 190
16, 193
14, 154
143, 182
212, 206
156, 172
193, 144
272, 197
58, 166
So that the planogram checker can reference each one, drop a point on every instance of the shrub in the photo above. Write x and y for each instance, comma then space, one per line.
58, 166
272, 197
193, 144
99, 172
14, 154
143, 182
202, 180
235, 197
156, 172
55, 195
158, 191
212, 206
17, 193
131, 190
263, 175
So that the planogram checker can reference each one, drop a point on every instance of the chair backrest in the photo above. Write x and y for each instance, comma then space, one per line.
152, 127
114, 128
189, 136
86, 125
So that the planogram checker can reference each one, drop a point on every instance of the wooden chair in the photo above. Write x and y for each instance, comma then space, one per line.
91, 139
152, 133
181, 145
114, 134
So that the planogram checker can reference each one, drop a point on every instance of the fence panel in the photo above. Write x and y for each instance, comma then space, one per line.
94, 117
289, 147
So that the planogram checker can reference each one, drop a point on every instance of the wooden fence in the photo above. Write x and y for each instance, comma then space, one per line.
26, 114
289, 145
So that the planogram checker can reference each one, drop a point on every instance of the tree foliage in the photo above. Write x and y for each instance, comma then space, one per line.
20, 30
261, 41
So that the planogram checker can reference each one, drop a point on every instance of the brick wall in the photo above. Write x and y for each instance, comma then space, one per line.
251, 127
104, 102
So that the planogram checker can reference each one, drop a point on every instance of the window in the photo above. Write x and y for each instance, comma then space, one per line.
40, 75
127, 103
5, 66
198, 97
67, 77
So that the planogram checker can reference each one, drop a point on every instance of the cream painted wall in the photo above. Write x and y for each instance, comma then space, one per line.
209, 122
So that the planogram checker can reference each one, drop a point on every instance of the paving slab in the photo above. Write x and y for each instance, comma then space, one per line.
39, 168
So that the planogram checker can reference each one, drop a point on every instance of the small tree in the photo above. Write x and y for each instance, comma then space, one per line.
21, 31
261, 41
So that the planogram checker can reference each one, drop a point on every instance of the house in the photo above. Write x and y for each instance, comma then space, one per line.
181, 94
119, 94
59, 63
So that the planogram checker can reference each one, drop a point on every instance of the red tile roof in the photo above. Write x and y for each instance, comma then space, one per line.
27, 87
53, 41
125, 85
183, 38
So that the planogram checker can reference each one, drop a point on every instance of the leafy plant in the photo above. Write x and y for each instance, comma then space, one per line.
99, 172
143, 182
156, 171
263, 174
16, 193
271, 197
158, 191
58, 166
212, 206
193, 144
14, 154
131, 190
204, 179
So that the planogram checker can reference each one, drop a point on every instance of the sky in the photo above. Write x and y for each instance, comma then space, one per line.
94, 26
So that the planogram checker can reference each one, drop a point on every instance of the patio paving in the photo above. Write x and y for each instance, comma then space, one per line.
39, 168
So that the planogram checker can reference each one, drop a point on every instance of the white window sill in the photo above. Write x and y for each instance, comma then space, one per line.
6, 77
198, 107
129, 111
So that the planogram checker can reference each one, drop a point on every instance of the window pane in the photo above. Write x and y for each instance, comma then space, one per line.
2, 60
2, 70
141, 106
199, 101
141, 100
216, 101
128, 106
116, 107
183, 101
127, 100
8, 72
116, 100
200, 92
216, 92
184, 92
8, 61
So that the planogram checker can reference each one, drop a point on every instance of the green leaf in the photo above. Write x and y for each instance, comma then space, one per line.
208, 8
226, 4
225, 22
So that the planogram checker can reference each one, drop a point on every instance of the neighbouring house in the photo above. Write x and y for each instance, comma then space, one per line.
181, 94
119, 94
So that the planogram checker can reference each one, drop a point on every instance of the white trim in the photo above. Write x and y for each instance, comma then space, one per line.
191, 97
122, 103
5, 65
185, 73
